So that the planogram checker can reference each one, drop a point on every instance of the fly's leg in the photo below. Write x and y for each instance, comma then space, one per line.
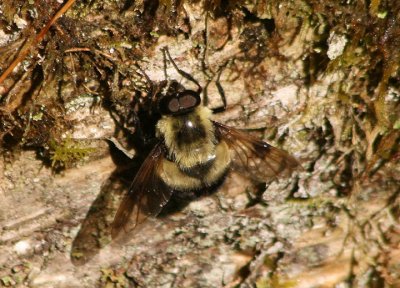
208, 71
220, 90
181, 72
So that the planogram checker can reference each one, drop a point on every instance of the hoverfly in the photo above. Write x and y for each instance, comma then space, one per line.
193, 153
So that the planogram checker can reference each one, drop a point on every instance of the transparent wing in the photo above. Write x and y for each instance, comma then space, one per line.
146, 197
255, 158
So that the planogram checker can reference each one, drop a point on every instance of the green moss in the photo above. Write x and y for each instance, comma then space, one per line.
396, 124
275, 282
112, 278
7, 281
154, 34
67, 152
38, 116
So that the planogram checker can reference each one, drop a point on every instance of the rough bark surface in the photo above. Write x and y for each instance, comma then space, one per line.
320, 80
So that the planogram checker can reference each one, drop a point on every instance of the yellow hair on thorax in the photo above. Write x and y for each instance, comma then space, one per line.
192, 153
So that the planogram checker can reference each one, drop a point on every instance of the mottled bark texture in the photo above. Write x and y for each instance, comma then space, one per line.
319, 79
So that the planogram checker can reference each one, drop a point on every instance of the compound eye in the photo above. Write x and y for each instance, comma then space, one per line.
188, 101
173, 105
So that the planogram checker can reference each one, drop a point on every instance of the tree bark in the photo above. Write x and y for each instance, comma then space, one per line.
319, 80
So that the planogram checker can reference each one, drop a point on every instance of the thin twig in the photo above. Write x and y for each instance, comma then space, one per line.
39, 37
